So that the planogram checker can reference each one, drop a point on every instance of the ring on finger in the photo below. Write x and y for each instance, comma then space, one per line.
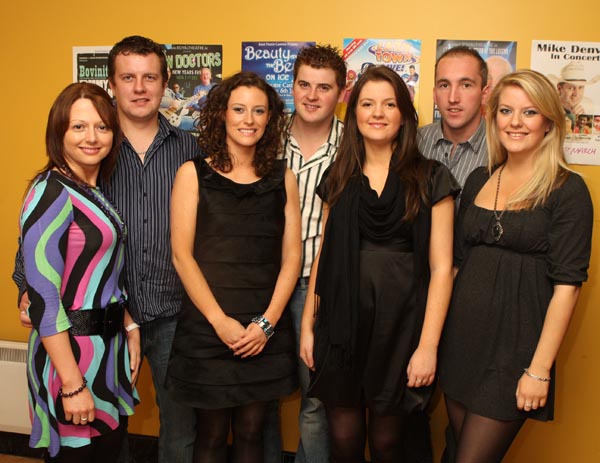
84, 418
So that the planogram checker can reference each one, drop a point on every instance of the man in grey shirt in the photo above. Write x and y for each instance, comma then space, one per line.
458, 139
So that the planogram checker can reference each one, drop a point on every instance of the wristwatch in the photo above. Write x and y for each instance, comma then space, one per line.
264, 325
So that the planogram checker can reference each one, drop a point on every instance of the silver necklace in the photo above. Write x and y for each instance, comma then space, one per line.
497, 229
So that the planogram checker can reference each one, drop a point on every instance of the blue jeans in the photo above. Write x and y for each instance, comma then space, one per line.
314, 437
177, 422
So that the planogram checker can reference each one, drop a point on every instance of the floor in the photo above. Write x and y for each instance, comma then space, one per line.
13, 459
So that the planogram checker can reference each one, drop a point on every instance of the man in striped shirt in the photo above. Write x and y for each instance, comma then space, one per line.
458, 142
311, 141
151, 153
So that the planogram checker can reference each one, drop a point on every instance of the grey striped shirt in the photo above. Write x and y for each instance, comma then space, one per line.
466, 157
308, 175
142, 192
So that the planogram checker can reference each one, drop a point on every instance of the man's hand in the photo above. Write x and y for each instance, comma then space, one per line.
23, 308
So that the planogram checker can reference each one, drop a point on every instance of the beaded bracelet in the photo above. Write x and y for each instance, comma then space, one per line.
536, 377
68, 395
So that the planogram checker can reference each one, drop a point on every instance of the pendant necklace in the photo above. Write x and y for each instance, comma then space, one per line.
497, 229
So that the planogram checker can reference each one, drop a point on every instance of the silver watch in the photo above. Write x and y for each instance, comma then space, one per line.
264, 325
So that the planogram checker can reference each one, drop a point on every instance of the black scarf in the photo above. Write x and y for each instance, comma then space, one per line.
357, 213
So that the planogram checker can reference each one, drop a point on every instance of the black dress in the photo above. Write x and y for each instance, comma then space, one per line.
502, 291
392, 274
238, 241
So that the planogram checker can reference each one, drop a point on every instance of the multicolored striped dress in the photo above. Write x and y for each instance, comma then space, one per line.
72, 241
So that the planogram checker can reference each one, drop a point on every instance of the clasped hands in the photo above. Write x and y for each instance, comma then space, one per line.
244, 342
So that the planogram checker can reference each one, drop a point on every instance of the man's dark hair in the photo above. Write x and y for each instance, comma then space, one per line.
137, 45
323, 57
462, 50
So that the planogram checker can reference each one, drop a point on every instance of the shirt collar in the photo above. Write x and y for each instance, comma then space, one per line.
475, 141
165, 128
332, 139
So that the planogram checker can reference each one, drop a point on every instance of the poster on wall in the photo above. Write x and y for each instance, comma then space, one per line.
90, 64
193, 71
501, 58
574, 68
402, 56
274, 62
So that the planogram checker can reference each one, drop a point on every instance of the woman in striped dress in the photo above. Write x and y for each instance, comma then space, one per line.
80, 371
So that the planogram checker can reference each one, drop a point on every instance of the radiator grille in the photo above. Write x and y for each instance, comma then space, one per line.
14, 412
11, 354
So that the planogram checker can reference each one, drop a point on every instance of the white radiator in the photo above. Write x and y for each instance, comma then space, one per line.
14, 408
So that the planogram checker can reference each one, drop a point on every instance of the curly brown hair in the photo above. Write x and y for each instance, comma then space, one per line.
322, 57
213, 135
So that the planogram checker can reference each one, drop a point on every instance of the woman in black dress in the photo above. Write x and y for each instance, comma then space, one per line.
381, 284
522, 251
235, 221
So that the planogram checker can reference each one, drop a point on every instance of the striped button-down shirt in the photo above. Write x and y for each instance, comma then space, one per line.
308, 175
142, 192
466, 157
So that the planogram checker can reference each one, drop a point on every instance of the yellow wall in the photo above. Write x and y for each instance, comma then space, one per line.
36, 43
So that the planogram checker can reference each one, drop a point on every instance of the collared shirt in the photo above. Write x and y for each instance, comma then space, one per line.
142, 193
466, 157
308, 175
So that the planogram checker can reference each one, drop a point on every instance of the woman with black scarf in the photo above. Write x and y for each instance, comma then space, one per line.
380, 287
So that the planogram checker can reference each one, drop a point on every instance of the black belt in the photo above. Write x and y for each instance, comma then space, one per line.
97, 322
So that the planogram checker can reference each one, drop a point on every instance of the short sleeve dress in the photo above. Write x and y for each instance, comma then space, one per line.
502, 291
381, 315
238, 242
72, 241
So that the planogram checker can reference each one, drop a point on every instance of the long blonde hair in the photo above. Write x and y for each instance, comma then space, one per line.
550, 168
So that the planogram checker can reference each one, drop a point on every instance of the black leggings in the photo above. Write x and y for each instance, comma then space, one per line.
348, 432
479, 438
103, 449
213, 428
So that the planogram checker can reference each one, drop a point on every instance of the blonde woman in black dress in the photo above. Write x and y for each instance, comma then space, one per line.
522, 251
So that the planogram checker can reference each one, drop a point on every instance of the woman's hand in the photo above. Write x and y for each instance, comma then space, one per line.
421, 367
307, 342
135, 353
79, 408
532, 393
229, 330
252, 343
